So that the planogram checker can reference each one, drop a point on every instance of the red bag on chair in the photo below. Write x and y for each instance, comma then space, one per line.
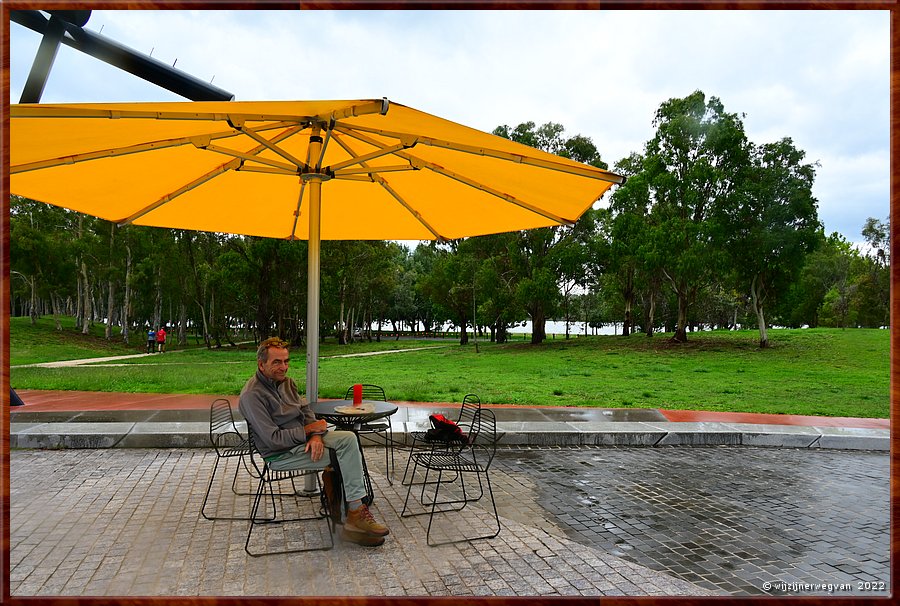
444, 430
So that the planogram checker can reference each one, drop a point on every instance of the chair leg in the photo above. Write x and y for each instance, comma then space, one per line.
412, 449
266, 482
389, 446
233, 489
409, 488
208, 488
466, 539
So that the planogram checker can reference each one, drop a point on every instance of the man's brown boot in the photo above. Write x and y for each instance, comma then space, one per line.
361, 520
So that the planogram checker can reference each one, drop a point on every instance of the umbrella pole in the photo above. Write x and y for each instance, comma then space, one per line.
312, 294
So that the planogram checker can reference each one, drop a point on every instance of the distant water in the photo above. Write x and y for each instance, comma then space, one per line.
559, 328
575, 328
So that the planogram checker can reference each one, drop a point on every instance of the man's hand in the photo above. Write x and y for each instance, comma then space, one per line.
315, 447
319, 426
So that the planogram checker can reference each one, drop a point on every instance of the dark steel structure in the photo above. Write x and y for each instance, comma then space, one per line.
67, 27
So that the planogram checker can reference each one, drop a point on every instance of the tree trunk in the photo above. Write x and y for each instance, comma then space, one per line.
33, 311
538, 327
680, 335
182, 323
56, 310
626, 324
110, 284
157, 304
110, 307
342, 334
126, 306
85, 326
757, 297
79, 301
628, 297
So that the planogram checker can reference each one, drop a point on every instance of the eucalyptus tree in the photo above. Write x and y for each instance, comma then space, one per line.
382, 274
771, 224
42, 268
496, 282
874, 281
450, 284
694, 163
547, 258
421, 264
403, 306
630, 256
357, 280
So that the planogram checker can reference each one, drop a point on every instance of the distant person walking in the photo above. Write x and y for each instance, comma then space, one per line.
151, 341
161, 339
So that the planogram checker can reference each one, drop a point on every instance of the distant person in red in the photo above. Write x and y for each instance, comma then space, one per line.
161, 339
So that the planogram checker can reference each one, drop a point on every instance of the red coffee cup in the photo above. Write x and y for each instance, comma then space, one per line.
357, 394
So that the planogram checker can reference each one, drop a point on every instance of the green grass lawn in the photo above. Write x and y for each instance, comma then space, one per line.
818, 372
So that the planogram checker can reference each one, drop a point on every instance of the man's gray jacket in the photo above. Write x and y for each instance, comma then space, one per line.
276, 412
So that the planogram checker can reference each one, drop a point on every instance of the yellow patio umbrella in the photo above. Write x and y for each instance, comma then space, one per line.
314, 170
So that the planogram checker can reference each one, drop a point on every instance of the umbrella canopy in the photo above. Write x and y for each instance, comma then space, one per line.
334, 170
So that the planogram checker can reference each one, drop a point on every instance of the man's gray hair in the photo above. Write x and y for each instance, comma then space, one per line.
262, 352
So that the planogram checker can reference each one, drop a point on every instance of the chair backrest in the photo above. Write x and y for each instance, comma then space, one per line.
369, 392
471, 404
222, 430
482, 442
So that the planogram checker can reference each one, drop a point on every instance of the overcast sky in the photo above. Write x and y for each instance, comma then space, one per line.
819, 77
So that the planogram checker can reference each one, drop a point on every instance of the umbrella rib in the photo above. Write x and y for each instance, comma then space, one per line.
381, 181
297, 211
299, 200
181, 190
268, 144
123, 151
348, 149
250, 157
583, 170
367, 170
379, 106
52, 111
269, 170
417, 162
370, 156
490, 190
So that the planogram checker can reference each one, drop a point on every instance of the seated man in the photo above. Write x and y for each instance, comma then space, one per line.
288, 436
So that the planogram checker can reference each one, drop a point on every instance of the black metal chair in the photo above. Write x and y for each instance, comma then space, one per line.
229, 444
474, 457
471, 405
267, 478
378, 428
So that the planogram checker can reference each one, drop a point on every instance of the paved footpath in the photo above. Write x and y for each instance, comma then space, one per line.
577, 521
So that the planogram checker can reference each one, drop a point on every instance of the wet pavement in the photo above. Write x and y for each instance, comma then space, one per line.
724, 520
727, 519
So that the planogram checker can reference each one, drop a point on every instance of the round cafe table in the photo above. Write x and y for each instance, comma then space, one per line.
353, 422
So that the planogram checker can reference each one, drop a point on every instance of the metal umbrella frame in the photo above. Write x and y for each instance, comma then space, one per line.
259, 167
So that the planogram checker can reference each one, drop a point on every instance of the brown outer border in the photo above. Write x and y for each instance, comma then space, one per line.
893, 5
